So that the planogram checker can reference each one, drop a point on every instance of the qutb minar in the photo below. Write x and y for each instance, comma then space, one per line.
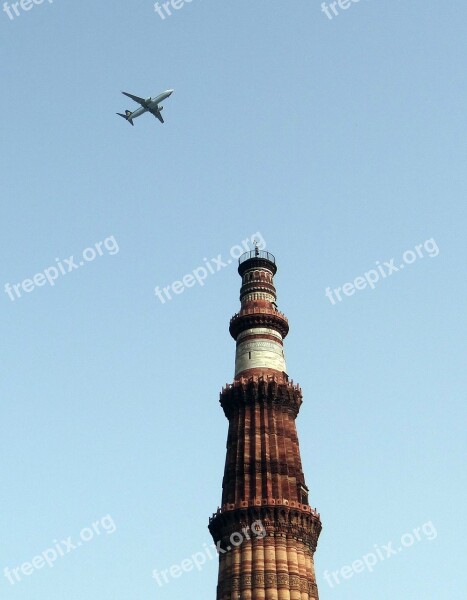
263, 478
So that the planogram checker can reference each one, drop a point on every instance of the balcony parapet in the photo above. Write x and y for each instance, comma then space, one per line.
249, 318
256, 253
253, 390
258, 310
269, 502
242, 381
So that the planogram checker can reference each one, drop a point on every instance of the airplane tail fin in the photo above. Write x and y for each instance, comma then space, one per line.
127, 116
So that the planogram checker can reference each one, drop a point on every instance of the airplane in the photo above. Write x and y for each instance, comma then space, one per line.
149, 105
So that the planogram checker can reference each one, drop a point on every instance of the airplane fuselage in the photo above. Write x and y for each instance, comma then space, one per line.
153, 104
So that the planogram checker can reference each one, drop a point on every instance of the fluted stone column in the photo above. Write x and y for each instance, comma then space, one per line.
270, 568
302, 572
259, 589
294, 574
246, 578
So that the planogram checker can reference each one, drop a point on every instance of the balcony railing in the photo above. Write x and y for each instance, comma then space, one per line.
256, 253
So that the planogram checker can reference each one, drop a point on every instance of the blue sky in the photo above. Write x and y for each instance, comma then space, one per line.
341, 143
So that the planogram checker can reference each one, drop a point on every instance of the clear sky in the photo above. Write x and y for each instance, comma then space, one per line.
339, 142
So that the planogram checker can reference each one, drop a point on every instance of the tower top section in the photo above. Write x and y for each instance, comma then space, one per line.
259, 328
257, 258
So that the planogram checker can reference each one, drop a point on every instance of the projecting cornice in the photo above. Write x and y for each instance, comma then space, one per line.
297, 522
257, 390
249, 318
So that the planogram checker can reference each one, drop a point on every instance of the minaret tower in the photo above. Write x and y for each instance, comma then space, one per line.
263, 478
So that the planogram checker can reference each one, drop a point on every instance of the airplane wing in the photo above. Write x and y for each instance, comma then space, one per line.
137, 99
157, 114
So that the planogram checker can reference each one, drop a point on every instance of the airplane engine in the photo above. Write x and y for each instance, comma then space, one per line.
161, 108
